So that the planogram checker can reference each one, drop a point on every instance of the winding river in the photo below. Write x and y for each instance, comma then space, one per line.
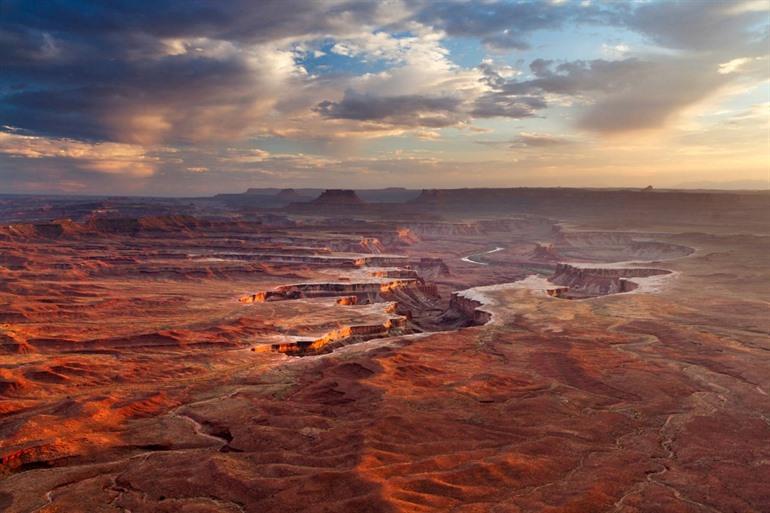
470, 259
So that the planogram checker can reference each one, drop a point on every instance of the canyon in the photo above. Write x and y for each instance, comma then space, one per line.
477, 350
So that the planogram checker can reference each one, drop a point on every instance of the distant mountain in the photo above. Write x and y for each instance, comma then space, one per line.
338, 197
386, 195
291, 196
733, 185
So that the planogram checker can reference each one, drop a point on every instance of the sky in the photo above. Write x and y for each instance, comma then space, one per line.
198, 97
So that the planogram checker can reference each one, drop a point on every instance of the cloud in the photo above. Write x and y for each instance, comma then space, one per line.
421, 88
163, 71
211, 91
616, 96
104, 158
502, 104
406, 110
718, 26
615, 51
628, 93
218, 71
236, 20
539, 140
503, 25
534, 140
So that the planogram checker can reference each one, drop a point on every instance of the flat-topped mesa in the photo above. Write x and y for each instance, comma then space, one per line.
583, 282
520, 224
637, 206
365, 292
343, 336
394, 273
338, 197
43, 230
145, 226
308, 260
430, 266
426, 266
620, 272
382, 260
430, 197
431, 229
331, 201
616, 246
291, 196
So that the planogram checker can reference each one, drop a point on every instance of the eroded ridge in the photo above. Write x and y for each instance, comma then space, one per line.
583, 282
401, 291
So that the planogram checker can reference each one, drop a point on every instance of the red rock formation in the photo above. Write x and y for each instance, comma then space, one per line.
290, 195
308, 290
344, 335
371, 245
334, 197
545, 253
587, 282
469, 308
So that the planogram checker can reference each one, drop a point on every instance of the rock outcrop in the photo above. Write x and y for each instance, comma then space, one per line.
291, 196
331, 197
365, 291
584, 282
331, 201
545, 253
469, 308
343, 336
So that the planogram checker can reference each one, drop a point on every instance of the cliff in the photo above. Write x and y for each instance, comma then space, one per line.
343, 336
590, 282
332, 197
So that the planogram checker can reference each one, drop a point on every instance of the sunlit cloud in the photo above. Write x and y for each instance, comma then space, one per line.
106, 158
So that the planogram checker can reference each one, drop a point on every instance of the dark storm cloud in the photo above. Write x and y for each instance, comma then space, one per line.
506, 98
647, 95
713, 26
632, 94
241, 20
501, 104
623, 95
507, 25
578, 77
683, 24
406, 110
106, 71
109, 101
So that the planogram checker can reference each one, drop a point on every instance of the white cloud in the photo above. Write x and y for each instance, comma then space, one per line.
105, 158
733, 65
